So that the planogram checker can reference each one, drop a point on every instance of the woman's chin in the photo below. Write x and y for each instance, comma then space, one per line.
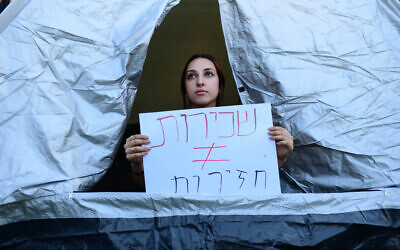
203, 105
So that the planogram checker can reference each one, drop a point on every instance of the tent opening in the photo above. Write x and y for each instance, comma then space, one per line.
190, 27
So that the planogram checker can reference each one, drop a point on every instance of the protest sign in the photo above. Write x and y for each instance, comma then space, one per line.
211, 150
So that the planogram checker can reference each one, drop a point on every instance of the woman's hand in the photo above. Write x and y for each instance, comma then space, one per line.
284, 143
134, 151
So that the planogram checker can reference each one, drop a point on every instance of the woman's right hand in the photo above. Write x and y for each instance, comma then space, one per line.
134, 151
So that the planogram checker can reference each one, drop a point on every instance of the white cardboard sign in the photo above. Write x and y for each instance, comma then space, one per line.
211, 150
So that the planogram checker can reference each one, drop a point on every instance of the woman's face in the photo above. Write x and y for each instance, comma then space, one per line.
202, 83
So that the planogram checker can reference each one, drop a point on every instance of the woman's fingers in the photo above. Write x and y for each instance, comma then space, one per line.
279, 138
275, 130
284, 143
136, 140
134, 151
280, 135
133, 157
138, 136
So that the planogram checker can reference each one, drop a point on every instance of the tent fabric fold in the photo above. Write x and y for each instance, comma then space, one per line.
331, 72
369, 219
69, 72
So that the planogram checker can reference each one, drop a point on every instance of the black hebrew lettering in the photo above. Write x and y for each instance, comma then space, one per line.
198, 182
265, 178
176, 183
220, 183
240, 177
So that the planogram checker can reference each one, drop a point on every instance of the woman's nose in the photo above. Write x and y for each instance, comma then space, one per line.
200, 81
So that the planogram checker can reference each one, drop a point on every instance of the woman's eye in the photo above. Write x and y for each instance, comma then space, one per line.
209, 73
191, 76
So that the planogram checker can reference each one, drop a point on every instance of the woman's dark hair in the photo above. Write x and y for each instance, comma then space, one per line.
219, 72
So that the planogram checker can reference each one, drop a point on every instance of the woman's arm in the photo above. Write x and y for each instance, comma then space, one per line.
284, 143
134, 153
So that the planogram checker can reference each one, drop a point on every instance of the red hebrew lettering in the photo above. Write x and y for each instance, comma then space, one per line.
205, 119
233, 123
208, 155
187, 128
162, 128
239, 122
215, 113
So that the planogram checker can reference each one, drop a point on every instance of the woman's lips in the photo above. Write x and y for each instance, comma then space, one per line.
201, 92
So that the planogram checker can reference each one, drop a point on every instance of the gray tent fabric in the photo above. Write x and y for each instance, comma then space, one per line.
352, 220
13, 9
92, 205
69, 71
331, 71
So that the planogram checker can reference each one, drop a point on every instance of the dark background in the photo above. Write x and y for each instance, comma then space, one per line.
191, 27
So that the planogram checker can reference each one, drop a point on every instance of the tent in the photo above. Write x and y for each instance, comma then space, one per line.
69, 74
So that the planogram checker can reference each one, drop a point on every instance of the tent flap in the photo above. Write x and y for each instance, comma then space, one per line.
69, 71
330, 70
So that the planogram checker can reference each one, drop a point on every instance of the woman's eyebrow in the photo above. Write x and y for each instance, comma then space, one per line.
208, 69
205, 69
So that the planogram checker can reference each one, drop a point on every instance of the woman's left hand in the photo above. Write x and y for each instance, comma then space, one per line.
284, 143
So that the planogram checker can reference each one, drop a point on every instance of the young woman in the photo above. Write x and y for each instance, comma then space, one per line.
202, 86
